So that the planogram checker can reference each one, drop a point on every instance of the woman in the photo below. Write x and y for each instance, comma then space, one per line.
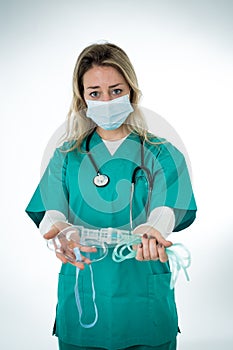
88, 182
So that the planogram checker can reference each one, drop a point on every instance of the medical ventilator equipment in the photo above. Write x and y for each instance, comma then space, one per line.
73, 241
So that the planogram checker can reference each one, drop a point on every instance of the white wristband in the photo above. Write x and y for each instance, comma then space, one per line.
162, 219
49, 219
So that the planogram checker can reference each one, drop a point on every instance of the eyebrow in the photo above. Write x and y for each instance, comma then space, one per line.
111, 86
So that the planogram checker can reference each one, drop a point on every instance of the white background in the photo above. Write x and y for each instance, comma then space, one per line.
182, 52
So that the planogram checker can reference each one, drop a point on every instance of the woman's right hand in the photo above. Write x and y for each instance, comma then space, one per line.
54, 231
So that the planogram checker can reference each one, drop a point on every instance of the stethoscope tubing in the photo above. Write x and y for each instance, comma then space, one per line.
133, 179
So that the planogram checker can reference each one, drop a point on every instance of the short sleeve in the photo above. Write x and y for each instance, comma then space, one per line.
172, 185
51, 193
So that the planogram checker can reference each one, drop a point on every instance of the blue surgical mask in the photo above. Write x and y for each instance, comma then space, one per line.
109, 115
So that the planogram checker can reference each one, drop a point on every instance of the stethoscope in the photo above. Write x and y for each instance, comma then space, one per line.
102, 180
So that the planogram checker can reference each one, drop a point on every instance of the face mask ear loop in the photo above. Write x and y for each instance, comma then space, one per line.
77, 297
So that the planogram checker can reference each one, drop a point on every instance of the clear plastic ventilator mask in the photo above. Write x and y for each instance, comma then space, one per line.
76, 242
109, 115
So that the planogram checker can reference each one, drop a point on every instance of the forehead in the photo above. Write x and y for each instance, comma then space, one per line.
102, 75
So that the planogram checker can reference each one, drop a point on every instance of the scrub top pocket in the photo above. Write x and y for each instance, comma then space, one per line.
162, 308
66, 313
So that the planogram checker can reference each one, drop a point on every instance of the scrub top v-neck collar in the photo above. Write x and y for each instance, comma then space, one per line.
113, 145
105, 153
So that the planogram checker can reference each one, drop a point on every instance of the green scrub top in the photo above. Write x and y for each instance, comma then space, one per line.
134, 300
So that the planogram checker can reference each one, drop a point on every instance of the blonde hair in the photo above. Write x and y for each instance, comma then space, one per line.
107, 54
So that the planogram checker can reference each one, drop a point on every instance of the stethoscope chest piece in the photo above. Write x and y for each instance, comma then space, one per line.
101, 180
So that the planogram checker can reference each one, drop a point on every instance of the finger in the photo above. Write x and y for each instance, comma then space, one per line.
62, 258
162, 253
139, 254
51, 233
80, 261
78, 264
154, 255
163, 241
66, 260
55, 229
160, 239
65, 256
152, 232
87, 249
146, 250
87, 260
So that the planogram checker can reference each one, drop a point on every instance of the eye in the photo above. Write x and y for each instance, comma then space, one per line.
94, 94
117, 91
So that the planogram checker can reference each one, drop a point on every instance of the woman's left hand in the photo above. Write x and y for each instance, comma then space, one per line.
153, 244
